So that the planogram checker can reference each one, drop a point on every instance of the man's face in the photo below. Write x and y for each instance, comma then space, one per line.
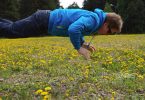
106, 30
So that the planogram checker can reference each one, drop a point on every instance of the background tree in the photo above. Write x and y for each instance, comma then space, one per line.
93, 4
9, 9
27, 7
133, 14
73, 6
107, 7
113, 5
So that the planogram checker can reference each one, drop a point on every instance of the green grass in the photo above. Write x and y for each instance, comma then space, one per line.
116, 71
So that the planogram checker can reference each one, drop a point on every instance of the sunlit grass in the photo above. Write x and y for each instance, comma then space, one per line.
49, 68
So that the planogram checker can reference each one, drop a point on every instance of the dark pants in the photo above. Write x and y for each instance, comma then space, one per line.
34, 25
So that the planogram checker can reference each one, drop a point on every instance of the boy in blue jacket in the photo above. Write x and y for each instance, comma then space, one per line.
74, 23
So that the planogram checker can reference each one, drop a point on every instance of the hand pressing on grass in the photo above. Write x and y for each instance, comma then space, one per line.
86, 49
84, 52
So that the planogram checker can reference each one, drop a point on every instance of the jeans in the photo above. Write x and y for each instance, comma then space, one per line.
34, 25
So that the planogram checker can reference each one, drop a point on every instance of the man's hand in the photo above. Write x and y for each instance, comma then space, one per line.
91, 48
84, 52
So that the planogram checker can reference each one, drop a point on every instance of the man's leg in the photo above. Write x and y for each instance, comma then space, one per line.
30, 26
5, 20
35, 25
4, 27
20, 28
42, 18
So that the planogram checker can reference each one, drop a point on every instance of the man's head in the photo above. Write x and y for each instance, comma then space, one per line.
113, 24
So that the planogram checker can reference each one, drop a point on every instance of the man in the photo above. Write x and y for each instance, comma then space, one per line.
74, 23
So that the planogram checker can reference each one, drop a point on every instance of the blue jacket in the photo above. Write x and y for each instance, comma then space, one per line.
75, 23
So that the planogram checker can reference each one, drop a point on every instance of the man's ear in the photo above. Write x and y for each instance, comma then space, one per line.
105, 24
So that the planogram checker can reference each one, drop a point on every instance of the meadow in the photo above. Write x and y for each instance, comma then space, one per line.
48, 68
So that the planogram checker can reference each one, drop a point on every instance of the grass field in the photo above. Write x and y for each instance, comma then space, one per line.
48, 68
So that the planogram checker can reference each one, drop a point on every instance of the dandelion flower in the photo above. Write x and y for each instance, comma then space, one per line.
44, 93
47, 97
48, 88
38, 91
140, 77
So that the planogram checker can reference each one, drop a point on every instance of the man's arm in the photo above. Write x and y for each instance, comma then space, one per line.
76, 29
75, 32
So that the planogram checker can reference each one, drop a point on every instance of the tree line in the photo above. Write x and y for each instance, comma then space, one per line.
132, 11
17, 9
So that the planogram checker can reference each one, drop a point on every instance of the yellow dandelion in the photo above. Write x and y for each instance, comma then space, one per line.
38, 91
106, 77
113, 93
87, 67
74, 55
110, 62
86, 73
112, 98
43, 61
48, 88
99, 99
71, 78
44, 93
140, 60
140, 77
71, 58
67, 93
47, 97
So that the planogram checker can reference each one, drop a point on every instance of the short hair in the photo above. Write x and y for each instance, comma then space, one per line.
115, 21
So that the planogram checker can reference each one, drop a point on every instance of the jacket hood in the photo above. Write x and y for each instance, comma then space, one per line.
101, 15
